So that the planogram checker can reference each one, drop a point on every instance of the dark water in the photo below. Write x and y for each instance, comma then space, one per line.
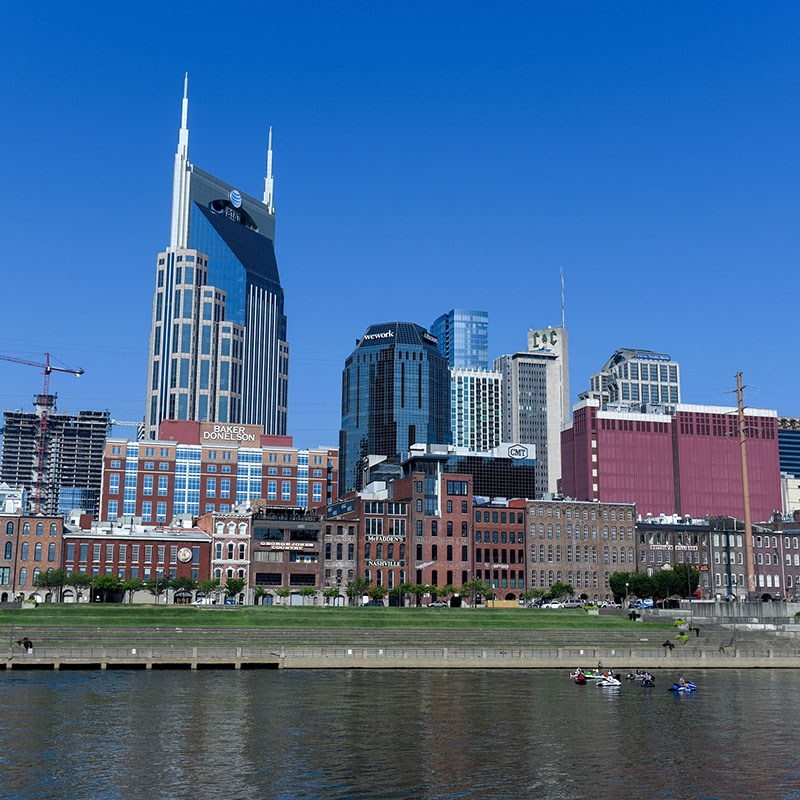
386, 734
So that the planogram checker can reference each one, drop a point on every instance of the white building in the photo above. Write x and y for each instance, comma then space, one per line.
476, 406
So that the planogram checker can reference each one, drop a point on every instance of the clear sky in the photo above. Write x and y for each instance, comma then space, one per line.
427, 155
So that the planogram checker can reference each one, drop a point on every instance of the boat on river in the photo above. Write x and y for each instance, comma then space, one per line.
683, 687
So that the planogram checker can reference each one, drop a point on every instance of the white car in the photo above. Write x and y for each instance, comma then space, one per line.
553, 604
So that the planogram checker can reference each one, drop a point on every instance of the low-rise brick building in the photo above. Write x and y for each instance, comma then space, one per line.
30, 545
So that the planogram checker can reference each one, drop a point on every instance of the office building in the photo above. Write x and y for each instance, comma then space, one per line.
636, 380
463, 338
536, 401
73, 456
395, 393
686, 462
476, 409
218, 349
789, 445
196, 468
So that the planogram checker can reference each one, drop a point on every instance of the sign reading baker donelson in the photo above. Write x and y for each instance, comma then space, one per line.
234, 434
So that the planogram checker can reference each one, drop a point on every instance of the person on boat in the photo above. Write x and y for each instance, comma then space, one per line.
682, 682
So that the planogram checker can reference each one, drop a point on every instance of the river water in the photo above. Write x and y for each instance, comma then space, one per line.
396, 734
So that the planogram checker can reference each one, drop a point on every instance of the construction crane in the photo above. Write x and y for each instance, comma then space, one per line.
48, 368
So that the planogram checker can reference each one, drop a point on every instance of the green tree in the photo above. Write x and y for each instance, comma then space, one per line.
533, 594
683, 581
183, 584
641, 585
51, 579
259, 593
131, 586
284, 594
234, 586
330, 595
209, 586
447, 591
377, 592
356, 588
77, 581
474, 588
617, 582
307, 591
156, 586
105, 584
559, 590
419, 590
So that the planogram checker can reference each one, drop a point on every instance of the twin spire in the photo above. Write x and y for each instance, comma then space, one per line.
183, 147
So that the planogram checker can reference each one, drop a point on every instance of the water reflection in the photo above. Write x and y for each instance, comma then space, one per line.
387, 734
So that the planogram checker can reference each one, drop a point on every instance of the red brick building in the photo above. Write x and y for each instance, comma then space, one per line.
501, 547
30, 545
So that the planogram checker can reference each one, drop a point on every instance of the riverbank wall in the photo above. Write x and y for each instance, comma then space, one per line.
343, 657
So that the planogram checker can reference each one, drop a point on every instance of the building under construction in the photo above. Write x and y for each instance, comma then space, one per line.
73, 455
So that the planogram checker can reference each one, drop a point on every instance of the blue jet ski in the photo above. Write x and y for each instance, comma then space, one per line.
683, 688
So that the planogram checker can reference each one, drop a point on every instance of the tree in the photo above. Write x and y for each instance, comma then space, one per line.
210, 586
183, 584
104, 584
377, 592
259, 593
558, 590
234, 586
419, 590
131, 586
156, 586
475, 588
77, 581
307, 591
356, 588
330, 595
620, 583
683, 581
284, 594
533, 594
446, 591
51, 579
641, 585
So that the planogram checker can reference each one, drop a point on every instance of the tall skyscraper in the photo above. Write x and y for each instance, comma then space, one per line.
395, 393
536, 400
463, 338
218, 349
476, 409
73, 455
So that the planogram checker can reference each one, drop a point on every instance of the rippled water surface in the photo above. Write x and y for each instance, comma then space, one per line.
396, 734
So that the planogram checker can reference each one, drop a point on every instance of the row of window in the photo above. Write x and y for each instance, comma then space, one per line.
611, 555
607, 513
122, 551
26, 529
37, 551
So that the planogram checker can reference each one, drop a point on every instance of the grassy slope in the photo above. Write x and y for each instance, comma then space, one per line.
319, 617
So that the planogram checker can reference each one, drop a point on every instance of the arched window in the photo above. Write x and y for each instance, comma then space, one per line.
217, 573
53, 529
220, 529
8, 549
26, 529
39, 529
36, 575
231, 528
10, 528
219, 550
23, 576
51, 552
230, 550
241, 552
243, 528
37, 552
240, 573
229, 572
24, 554
605, 555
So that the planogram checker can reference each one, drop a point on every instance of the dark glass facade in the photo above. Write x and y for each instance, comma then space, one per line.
789, 445
395, 393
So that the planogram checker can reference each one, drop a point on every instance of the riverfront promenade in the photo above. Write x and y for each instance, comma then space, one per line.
402, 638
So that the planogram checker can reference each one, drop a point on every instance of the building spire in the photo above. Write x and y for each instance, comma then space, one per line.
563, 318
183, 135
268, 181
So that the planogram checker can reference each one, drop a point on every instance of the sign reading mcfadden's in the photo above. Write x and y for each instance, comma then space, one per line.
235, 434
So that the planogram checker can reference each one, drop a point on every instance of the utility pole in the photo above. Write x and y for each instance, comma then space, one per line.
748, 523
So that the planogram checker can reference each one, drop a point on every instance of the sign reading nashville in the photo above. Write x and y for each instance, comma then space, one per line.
235, 434
386, 563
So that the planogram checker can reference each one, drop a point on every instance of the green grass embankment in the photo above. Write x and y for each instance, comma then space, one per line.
138, 616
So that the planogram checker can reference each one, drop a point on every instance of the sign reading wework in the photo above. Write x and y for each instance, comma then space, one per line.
382, 335
235, 434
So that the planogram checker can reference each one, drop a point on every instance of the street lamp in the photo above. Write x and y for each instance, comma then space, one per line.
626, 594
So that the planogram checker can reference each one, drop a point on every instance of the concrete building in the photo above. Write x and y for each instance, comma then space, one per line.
476, 409
218, 349
198, 468
73, 456
636, 380
395, 393
536, 401
463, 336
30, 545
686, 462
580, 543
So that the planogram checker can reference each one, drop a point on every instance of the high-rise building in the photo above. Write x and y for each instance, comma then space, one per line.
73, 455
789, 445
476, 408
395, 393
463, 338
636, 380
218, 349
536, 400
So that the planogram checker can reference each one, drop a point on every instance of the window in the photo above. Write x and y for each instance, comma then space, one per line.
113, 484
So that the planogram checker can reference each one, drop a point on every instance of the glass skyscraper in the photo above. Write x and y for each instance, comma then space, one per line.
395, 393
463, 338
218, 349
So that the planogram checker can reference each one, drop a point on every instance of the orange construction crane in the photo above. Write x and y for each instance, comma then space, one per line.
48, 368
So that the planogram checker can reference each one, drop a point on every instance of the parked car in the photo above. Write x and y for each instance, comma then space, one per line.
610, 604
374, 603
438, 604
643, 603
553, 604
573, 604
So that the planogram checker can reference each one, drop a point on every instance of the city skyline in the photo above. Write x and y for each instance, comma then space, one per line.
649, 213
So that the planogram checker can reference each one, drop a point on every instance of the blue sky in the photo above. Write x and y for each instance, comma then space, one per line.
427, 155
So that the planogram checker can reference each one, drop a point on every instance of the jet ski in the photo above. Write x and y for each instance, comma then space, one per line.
609, 680
648, 681
683, 688
589, 674
637, 675
581, 680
